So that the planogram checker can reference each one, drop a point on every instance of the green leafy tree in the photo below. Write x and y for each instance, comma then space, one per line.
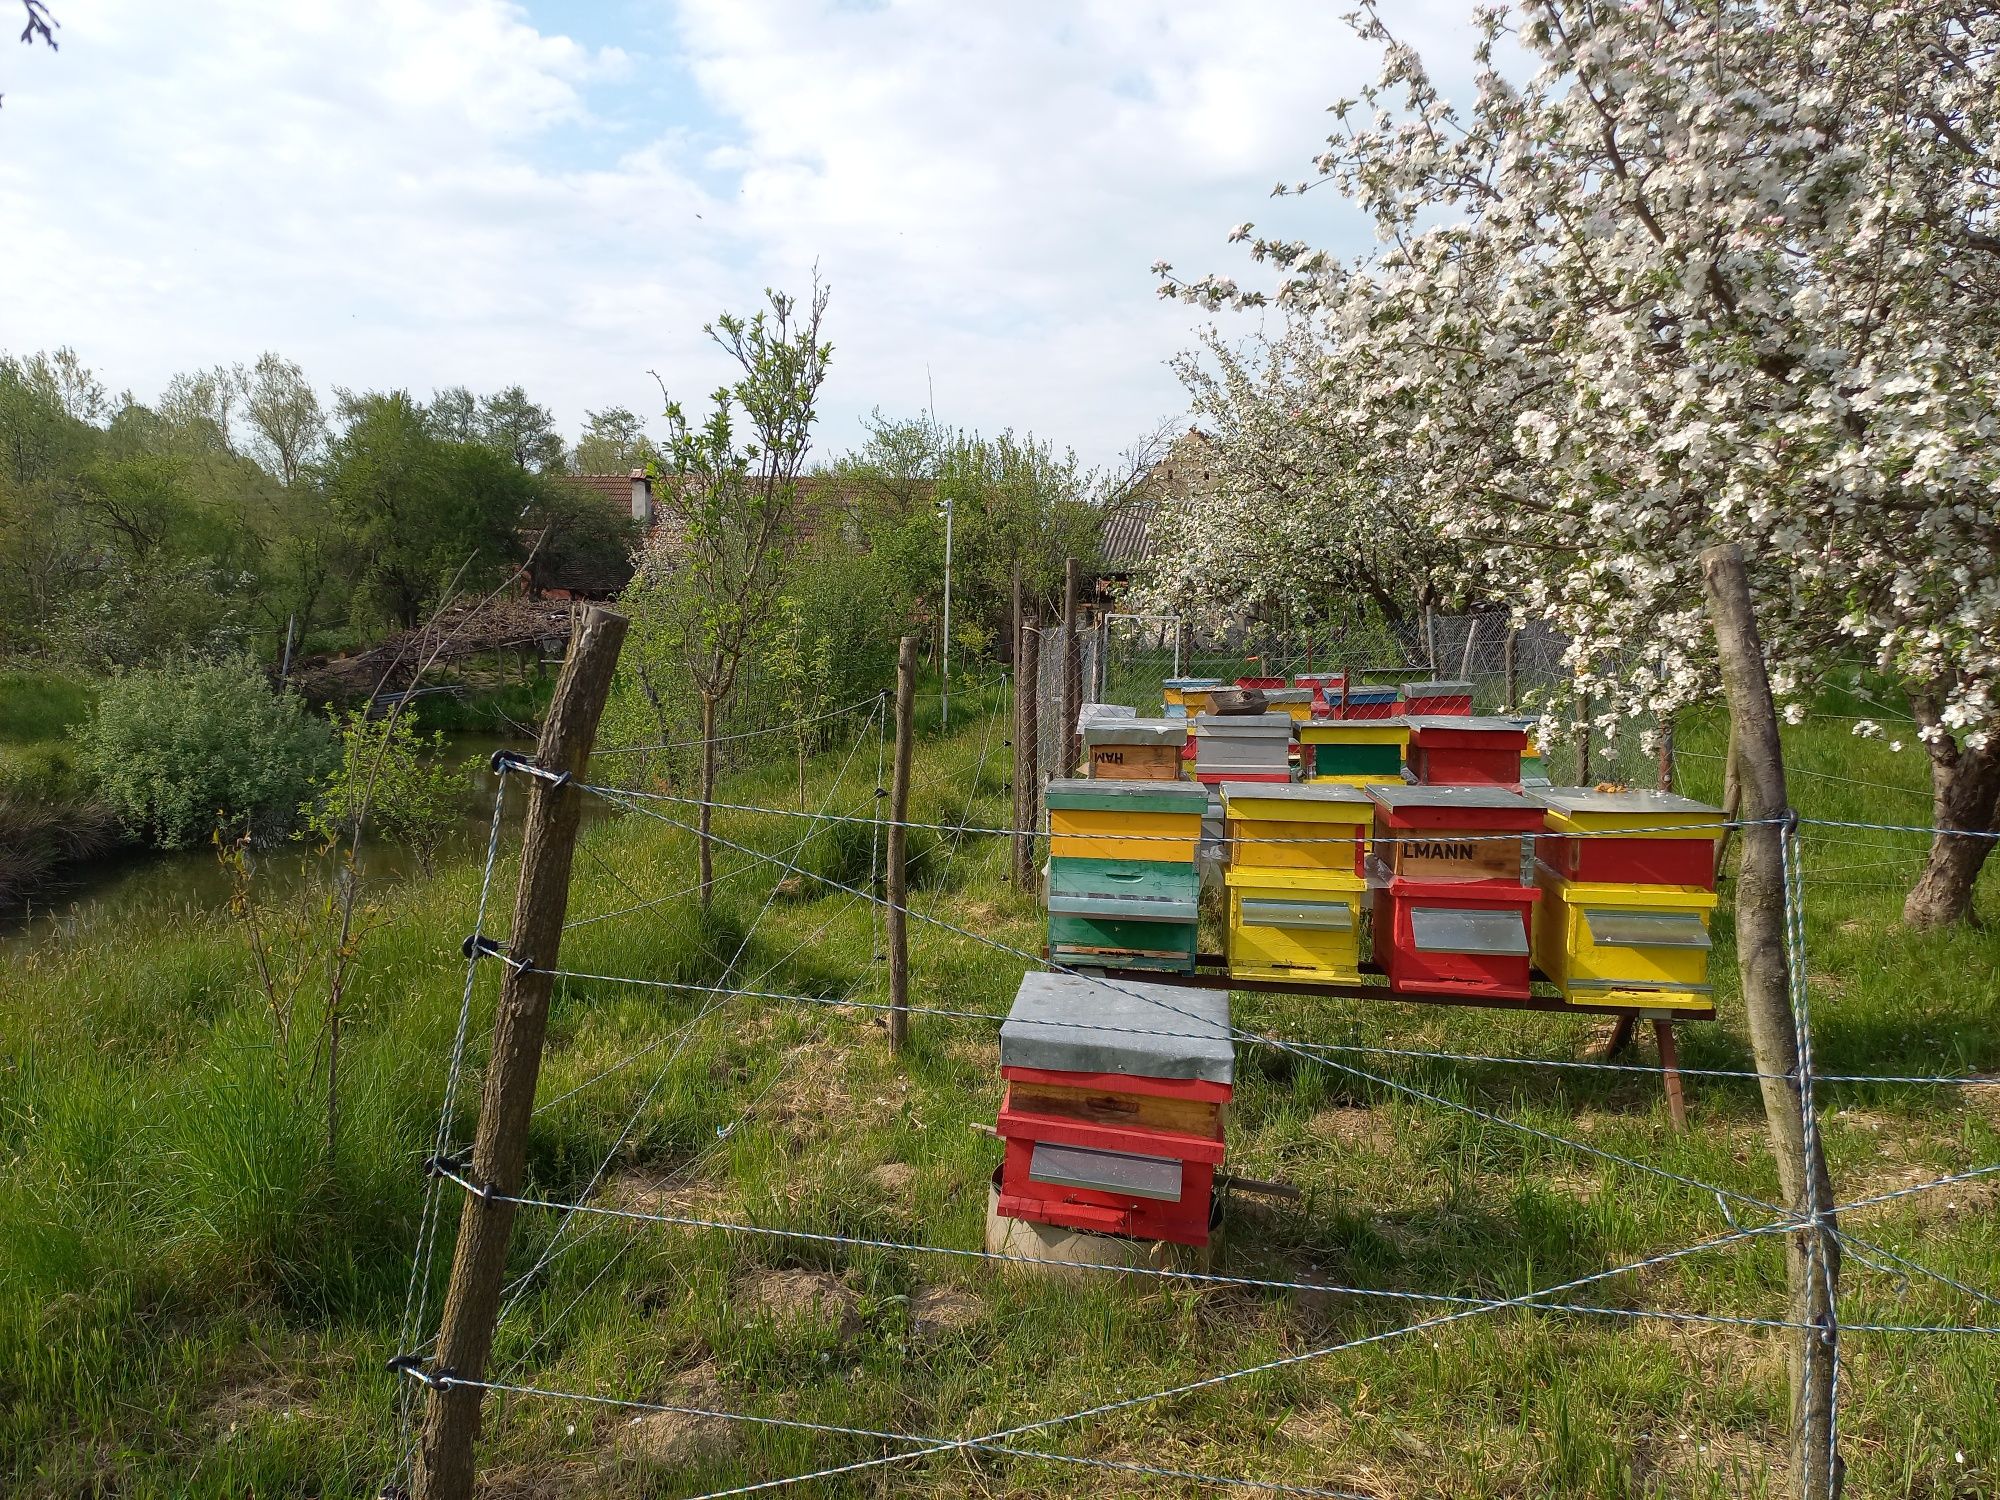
184, 750
391, 779
510, 423
614, 441
711, 576
285, 415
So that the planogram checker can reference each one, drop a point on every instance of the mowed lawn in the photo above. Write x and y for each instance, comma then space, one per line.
193, 1302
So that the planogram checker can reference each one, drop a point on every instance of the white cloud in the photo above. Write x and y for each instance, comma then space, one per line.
421, 192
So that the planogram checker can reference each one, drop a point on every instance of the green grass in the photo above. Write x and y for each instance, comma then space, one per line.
193, 1302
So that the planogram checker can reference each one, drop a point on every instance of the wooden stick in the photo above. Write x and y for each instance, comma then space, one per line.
1508, 669
1670, 1072
1072, 676
1027, 756
899, 816
444, 1466
1766, 983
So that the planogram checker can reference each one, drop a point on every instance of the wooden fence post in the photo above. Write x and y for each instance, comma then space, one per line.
899, 817
1583, 742
1508, 668
444, 1466
1072, 676
1027, 754
1767, 1005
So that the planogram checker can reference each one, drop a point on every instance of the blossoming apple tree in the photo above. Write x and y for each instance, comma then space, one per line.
1694, 271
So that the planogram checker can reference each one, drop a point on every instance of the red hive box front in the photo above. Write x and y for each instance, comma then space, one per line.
1113, 1116
1445, 698
1453, 751
1453, 912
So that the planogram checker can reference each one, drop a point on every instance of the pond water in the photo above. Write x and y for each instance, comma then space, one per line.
144, 889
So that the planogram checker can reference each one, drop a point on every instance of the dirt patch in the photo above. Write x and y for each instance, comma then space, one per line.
811, 1096
802, 1296
662, 1190
273, 1396
683, 1436
938, 1311
1352, 1124
893, 1177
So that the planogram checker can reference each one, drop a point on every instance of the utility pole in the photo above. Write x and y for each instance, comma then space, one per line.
899, 817
444, 1465
1812, 1252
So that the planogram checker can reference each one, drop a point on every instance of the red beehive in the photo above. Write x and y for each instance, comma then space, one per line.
1628, 838
1113, 1117
1453, 751
1452, 911
1453, 698
1262, 684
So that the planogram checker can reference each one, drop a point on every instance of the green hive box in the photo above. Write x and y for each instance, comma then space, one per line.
1123, 913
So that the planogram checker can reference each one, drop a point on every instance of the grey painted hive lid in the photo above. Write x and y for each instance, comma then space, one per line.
1136, 732
1481, 723
1448, 796
1072, 1024
1294, 792
1245, 724
1575, 799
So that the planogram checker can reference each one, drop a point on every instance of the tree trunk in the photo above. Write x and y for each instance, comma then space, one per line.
706, 818
1965, 787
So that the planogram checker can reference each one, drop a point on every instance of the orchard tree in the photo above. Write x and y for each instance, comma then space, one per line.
709, 579
1719, 270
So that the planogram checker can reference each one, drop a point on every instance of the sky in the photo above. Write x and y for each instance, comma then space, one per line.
419, 193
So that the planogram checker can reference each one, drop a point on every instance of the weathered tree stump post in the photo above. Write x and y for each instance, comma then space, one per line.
899, 843
1812, 1253
444, 1466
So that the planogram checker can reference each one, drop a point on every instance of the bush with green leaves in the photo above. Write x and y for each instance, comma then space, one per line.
391, 780
182, 751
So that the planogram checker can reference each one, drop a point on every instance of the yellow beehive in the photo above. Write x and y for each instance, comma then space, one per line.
1294, 924
1281, 826
1639, 945
1142, 820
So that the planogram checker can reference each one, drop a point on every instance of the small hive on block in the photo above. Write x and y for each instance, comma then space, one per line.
1437, 698
1261, 684
1449, 750
1354, 752
1452, 910
1325, 690
1113, 1115
1243, 747
1360, 701
1296, 879
1627, 881
1176, 691
1123, 887
1134, 749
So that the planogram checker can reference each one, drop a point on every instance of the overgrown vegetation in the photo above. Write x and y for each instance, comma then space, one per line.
194, 1301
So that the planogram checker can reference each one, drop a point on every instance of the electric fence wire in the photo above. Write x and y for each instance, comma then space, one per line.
792, 727
551, 1248
416, 1299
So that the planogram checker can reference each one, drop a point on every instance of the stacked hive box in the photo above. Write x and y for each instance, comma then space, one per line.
1361, 702
1295, 880
1297, 702
1325, 690
1452, 912
1113, 1116
1134, 749
1437, 698
1123, 889
1354, 752
1180, 691
1627, 882
1447, 750
1243, 747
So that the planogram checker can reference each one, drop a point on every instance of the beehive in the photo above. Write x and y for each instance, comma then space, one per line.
1354, 752
1627, 887
1362, 702
1175, 693
1123, 887
1632, 838
1297, 702
1452, 913
1325, 690
1448, 698
1243, 747
1113, 1116
1134, 749
1449, 750
1295, 880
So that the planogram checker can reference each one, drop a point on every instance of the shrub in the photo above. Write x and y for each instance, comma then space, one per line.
179, 752
392, 781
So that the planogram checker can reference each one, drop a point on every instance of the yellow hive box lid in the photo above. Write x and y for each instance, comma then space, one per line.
1296, 802
1604, 893
1642, 814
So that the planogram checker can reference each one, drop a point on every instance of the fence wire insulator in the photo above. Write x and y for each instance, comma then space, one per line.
412, 1365
504, 761
449, 1163
478, 945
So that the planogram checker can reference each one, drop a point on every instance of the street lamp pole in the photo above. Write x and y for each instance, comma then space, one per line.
944, 695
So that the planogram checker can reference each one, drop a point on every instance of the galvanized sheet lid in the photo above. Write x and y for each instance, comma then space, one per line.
1352, 796
1136, 732
1141, 796
1078, 1025
1479, 723
1244, 725
1392, 796
1181, 684
1093, 713
1288, 695
1571, 800
1436, 689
